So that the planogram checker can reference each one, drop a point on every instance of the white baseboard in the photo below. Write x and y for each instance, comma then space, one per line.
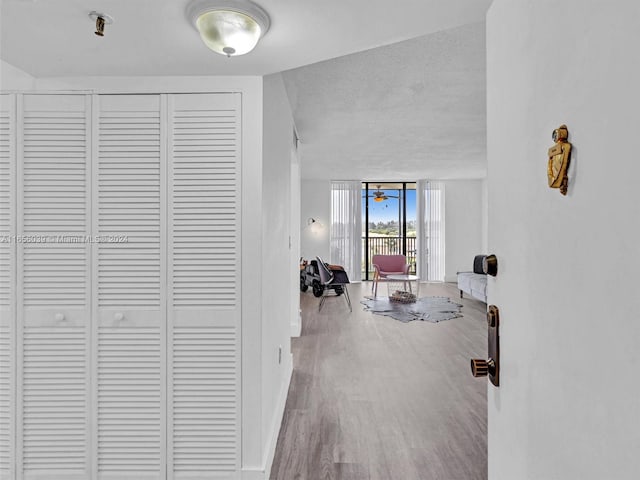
277, 419
296, 326
296, 330
248, 474
272, 438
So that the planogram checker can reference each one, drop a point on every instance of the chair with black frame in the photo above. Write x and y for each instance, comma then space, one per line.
333, 278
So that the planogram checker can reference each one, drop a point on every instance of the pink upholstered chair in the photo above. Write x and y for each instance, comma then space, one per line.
385, 265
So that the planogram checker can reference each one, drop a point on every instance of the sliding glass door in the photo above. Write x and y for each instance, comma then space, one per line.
388, 222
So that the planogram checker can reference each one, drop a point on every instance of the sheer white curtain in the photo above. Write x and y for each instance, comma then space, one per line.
346, 227
430, 231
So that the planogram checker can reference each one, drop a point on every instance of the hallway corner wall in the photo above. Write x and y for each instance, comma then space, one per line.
278, 293
315, 203
463, 225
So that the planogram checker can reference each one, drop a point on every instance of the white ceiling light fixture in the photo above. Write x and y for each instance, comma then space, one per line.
229, 27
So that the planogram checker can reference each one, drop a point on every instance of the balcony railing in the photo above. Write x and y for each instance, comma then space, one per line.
387, 246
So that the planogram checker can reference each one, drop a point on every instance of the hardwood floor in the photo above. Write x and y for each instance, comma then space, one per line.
374, 398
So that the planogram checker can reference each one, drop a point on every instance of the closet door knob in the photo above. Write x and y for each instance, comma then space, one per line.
59, 317
118, 317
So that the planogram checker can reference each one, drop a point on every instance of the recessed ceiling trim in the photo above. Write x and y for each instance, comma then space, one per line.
108, 19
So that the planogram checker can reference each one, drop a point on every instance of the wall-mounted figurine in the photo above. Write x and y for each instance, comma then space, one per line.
559, 158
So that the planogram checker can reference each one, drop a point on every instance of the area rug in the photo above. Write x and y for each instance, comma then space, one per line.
428, 309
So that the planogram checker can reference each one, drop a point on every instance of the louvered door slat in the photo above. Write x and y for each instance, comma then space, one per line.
54, 287
129, 200
55, 234
199, 181
204, 132
7, 283
205, 385
129, 222
129, 402
54, 401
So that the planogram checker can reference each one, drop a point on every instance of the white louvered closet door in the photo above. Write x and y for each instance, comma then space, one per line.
204, 286
53, 287
130, 268
7, 283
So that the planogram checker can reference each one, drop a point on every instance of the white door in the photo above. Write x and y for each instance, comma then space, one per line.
204, 286
120, 301
130, 277
7, 284
53, 287
568, 405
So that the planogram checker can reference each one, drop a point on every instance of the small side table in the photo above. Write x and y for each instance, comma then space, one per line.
403, 288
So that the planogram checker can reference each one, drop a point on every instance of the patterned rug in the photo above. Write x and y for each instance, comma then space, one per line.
428, 309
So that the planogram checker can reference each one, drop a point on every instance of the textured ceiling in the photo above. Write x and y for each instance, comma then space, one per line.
153, 37
412, 110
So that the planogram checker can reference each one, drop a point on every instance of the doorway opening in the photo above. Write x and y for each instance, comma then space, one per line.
388, 222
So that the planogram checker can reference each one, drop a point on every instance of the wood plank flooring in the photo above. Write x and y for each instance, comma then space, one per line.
374, 398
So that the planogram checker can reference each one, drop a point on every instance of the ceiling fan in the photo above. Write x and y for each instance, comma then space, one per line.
379, 195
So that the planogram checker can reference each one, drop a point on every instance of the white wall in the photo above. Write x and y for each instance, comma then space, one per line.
12, 78
464, 214
276, 264
463, 225
315, 203
296, 317
485, 216
567, 286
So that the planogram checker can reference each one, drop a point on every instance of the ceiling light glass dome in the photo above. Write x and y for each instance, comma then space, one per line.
231, 27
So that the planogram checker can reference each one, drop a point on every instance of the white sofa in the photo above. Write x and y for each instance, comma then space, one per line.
474, 283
